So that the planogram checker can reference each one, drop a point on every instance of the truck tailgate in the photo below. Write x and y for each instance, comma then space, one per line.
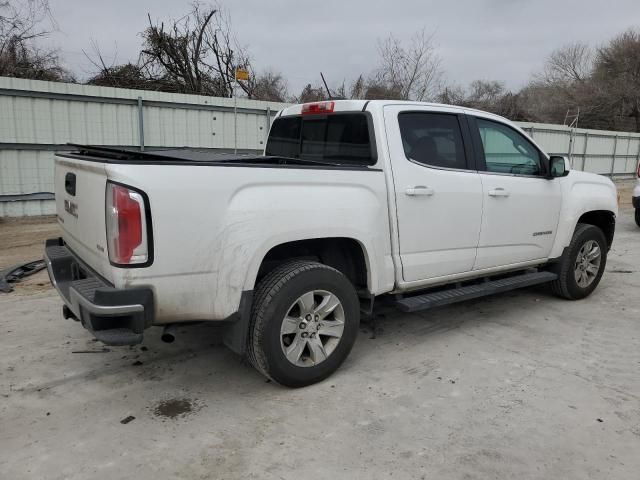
80, 205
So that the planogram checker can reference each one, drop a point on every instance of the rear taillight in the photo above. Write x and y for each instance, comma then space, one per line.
127, 240
317, 108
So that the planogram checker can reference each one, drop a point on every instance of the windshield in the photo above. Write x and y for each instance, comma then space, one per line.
340, 138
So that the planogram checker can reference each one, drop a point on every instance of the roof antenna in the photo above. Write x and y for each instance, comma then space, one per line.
325, 86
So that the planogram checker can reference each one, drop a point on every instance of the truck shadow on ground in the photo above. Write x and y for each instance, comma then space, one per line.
387, 323
198, 357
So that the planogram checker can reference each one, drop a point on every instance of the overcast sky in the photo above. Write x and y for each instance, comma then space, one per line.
505, 40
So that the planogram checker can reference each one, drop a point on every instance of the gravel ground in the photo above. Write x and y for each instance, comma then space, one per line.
521, 385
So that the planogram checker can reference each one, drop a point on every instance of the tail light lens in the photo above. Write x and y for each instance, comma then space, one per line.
127, 240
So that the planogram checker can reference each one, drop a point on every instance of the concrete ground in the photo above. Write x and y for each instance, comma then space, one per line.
521, 385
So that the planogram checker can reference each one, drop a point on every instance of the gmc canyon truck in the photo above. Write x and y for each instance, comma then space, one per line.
424, 204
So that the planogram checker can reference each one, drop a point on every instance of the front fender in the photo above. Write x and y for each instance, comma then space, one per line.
582, 193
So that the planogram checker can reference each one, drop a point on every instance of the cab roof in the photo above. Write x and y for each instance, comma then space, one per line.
361, 105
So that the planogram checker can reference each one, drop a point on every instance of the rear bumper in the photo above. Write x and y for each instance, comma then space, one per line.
114, 316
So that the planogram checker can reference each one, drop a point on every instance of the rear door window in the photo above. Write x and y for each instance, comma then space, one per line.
342, 138
433, 139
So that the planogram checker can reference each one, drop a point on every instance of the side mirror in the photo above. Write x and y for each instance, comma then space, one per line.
558, 166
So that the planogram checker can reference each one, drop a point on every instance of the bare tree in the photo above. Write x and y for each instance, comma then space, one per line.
452, 95
371, 88
617, 77
311, 94
269, 86
544, 102
603, 87
198, 53
128, 75
489, 95
22, 23
563, 88
485, 92
569, 64
378, 90
358, 88
412, 72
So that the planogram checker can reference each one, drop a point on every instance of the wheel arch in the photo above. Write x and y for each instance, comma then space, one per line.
346, 254
605, 220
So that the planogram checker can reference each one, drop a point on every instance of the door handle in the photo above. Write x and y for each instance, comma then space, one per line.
419, 190
499, 192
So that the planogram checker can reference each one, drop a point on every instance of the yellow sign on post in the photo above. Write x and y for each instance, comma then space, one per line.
242, 74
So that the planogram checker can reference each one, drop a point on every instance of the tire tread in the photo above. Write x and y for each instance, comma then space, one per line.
560, 287
268, 288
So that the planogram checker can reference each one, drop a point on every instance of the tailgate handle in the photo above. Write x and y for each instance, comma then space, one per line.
70, 183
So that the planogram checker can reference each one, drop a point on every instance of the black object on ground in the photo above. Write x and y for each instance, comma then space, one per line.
103, 350
17, 273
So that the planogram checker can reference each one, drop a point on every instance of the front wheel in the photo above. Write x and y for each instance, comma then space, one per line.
581, 267
304, 322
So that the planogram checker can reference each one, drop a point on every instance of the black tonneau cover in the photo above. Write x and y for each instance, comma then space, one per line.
185, 154
181, 156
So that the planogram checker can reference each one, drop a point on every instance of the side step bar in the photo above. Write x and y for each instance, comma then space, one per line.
453, 295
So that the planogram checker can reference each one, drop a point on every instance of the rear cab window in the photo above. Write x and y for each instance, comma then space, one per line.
345, 138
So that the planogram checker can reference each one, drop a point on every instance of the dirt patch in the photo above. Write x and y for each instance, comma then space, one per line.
22, 240
625, 188
175, 408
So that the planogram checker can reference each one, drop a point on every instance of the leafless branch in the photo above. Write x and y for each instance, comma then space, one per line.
409, 71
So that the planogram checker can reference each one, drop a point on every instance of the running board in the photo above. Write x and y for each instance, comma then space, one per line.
453, 295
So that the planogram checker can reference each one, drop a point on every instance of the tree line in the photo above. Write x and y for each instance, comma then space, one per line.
579, 85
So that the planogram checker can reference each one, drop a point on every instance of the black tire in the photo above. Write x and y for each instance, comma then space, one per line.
637, 216
566, 285
275, 294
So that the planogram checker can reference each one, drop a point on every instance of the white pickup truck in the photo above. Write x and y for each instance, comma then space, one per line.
427, 204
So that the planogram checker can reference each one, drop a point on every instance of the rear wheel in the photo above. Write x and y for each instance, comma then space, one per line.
581, 268
304, 322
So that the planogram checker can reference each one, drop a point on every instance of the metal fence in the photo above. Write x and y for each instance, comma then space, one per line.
597, 151
38, 118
